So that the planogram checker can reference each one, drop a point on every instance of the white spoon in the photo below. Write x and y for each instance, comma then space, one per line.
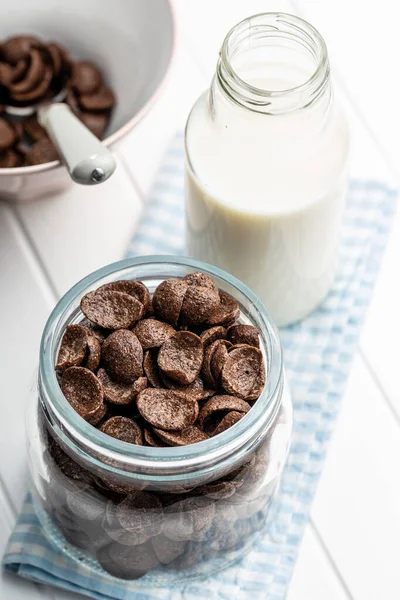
87, 160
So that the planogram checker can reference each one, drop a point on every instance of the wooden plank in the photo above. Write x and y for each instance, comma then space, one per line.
380, 338
82, 228
314, 577
370, 160
364, 45
144, 148
25, 303
368, 156
357, 509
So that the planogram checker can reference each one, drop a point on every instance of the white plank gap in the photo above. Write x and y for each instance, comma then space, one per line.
313, 577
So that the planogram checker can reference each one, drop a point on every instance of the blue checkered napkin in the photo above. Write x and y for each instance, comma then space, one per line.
318, 354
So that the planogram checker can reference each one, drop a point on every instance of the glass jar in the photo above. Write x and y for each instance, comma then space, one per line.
158, 513
266, 165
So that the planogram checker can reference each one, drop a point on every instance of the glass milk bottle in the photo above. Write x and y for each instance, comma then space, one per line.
266, 157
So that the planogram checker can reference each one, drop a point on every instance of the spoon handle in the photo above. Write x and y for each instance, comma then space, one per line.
88, 161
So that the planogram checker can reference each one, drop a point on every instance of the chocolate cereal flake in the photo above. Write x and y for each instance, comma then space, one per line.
199, 303
227, 310
68, 467
17, 48
199, 395
152, 333
190, 435
33, 74
188, 516
218, 405
167, 549
168, 299
73, 347
103, 99
206, 371
116, 532
151, 368
123, 355
211, 335
167, 409
242, 372
136, 289
86, 78
152, 440
123, 429
93, 353
98, 415
218, 360
141, 511
120, 393
72, 100
7, 74
95, 122
181, 357
38, 92
9, 159
98, 332
55, 53
218, 490
83, 391
7, 135
227, 421
259, 383
111, 309
19, 69
244, 334
200, 279
127, 562
42, 151
34, 129
194, 390
18, 130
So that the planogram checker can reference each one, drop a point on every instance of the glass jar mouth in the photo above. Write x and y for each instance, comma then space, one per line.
282, 26
106, 450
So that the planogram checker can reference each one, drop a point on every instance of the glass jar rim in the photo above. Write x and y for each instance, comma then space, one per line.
230, 79
168, 459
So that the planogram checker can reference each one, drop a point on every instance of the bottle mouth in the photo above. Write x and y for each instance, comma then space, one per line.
273, 63
176, 463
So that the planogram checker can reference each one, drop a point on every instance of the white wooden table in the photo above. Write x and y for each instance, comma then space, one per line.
350, 549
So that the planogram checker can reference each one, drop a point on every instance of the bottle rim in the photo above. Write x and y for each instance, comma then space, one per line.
126, 459
279, 26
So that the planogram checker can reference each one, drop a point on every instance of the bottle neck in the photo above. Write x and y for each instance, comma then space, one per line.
272, 65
